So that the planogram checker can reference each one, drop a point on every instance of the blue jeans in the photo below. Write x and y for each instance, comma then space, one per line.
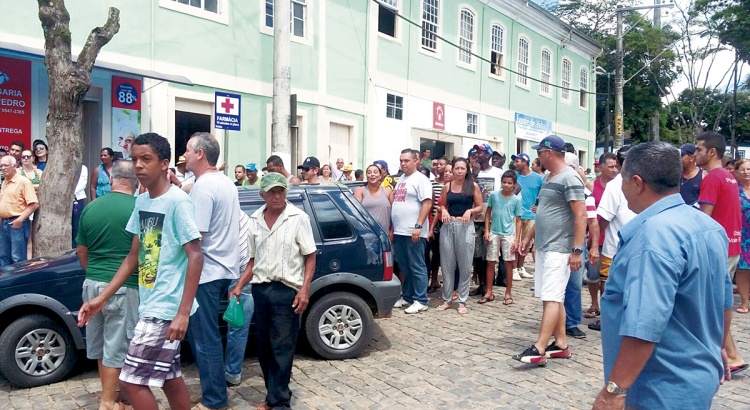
234, 354
205, 342
278, 328
410, 257
78, 206
573, 309
13, 242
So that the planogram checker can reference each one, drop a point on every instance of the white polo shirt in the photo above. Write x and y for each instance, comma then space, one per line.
614, 208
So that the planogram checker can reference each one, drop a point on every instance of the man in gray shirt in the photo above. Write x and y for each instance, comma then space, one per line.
217, 213
559, 230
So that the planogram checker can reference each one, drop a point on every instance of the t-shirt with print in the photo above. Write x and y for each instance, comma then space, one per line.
102, 231
217, 214
719, 188
408, 196
554, 217
613, 208
163, 225
504, 213
530, 186
489, 181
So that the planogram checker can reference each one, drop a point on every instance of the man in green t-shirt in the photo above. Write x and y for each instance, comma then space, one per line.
103, 243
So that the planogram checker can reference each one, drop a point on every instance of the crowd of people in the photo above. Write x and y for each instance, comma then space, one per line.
158, 264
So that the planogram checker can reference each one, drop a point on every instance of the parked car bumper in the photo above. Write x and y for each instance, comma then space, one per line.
389, 294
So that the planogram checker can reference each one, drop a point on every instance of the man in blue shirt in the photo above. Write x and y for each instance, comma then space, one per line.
664, 307
530, 183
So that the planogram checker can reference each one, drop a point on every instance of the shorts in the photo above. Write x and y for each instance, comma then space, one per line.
592, 271
109, 332
152, 358
552, 275
604, 264
526, 226
733, 261
499, 242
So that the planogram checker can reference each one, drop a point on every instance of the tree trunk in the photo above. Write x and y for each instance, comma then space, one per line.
655, 124
68, 85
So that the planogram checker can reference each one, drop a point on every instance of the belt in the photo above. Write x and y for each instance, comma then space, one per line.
12, 218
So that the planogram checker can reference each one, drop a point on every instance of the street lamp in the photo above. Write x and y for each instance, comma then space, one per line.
608, 120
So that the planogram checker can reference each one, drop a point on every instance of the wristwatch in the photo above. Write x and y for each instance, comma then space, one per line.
577, 251
613, 388
417, 226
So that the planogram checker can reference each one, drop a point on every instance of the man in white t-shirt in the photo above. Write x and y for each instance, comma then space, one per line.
217, 213
614, 212
412, 202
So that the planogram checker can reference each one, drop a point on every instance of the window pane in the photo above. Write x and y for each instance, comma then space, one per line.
386, 21
332, 223
269, 13
184, 1
211, 5
429, 24
466, 36
195, 3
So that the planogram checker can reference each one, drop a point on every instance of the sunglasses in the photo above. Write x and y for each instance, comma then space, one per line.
25, 156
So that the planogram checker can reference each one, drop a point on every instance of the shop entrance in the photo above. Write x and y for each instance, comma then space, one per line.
185, 125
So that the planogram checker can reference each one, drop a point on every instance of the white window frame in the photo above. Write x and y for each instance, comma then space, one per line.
306, 39
583, 86
422, 48
462, 51
394, 106
498, 50
565, 81
393, 5
472, 125
523, 67
221, 16
545, 76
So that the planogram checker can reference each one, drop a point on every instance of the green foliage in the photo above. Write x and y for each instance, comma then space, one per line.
731, 19
716, 114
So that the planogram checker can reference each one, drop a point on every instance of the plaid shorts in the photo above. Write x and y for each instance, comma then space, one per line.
152, 358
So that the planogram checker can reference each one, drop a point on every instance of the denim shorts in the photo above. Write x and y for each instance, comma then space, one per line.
110, 331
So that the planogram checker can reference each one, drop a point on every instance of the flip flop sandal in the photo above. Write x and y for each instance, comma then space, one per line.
742, 310
507, 301
592, 313
443, 307
462, 310
484, 300
738, 369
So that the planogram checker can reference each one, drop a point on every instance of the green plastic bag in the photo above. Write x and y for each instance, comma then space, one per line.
235, 314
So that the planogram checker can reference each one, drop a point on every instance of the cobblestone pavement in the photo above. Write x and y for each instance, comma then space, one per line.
432, 360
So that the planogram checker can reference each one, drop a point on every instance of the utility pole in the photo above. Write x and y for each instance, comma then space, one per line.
656, 115
619, 81
281, 143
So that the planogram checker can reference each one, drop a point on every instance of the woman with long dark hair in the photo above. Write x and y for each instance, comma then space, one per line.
460, 199
40, 151
99, 184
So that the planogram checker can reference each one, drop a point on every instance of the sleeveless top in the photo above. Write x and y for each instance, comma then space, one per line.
102, 182
690, 188
35, 180
379, 207
458, 203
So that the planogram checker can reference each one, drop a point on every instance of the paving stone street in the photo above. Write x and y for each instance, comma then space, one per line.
432, 360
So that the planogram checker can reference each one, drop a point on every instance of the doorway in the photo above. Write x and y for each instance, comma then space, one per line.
92, 135
185, 125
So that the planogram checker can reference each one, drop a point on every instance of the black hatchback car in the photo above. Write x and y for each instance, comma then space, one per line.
39, 299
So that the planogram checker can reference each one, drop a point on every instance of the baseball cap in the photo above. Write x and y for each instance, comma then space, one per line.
309, 162
572, 160
271, 180
688, 149
483, 147
523, 156
180, 160
251, 167
381, 163
596, 162
552, 142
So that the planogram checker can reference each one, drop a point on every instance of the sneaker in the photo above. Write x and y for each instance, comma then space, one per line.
401, 303
516, 275
596, 326
524, 274
554, 352
575, 332
416, 307
232, 379
531, 355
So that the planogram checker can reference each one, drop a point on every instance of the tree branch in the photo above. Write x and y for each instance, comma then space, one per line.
98, 38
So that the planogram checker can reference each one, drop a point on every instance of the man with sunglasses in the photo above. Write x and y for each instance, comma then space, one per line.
310, 169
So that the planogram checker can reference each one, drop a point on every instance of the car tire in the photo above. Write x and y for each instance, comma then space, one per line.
22, 343
339, 326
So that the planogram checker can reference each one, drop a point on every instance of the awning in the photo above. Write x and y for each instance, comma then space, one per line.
38, 53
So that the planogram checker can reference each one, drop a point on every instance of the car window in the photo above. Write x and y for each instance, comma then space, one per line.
333, 224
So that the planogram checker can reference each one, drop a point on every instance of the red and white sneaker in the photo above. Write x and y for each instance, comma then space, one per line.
532, 356
555, 352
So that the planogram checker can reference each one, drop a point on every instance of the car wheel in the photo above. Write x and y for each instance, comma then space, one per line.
35, 350
339, 326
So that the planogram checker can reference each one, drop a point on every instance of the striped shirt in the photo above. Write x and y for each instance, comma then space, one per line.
279, 251
437, 190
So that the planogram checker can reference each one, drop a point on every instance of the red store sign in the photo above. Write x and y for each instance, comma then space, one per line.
438, 116
15, 101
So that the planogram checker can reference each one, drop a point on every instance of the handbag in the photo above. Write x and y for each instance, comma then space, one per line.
235, 314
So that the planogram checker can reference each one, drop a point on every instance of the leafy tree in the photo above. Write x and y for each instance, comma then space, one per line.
68, 85
731, 19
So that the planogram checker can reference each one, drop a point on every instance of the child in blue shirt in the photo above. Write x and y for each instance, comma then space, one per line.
502, 230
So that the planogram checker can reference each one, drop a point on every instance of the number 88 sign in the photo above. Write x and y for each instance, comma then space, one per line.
126, 93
